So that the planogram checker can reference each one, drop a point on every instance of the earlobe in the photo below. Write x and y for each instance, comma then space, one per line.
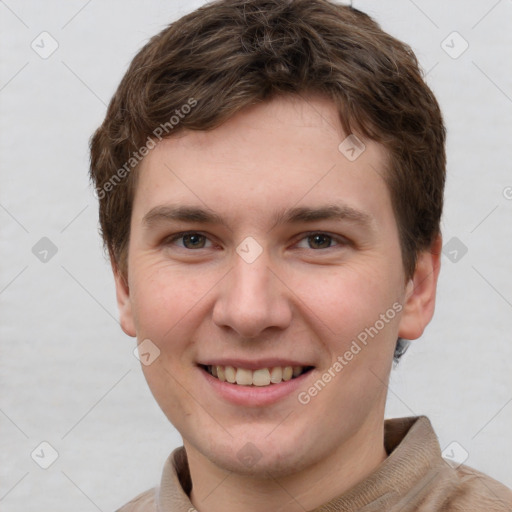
124, 302
420, 295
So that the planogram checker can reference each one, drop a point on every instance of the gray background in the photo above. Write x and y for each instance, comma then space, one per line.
68, 375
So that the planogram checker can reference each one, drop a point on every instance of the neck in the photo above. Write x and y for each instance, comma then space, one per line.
218, 490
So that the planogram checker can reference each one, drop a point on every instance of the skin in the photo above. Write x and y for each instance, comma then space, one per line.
302, 297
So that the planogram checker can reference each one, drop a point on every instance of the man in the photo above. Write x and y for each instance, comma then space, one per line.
270, 176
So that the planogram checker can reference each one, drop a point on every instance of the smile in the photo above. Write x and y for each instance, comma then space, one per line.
259, 377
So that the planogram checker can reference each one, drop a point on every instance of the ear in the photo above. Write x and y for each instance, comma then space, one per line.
420, 297
123, 301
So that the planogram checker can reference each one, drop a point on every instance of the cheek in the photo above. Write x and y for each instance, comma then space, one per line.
167, 304
170, 390
163, 296
346, 300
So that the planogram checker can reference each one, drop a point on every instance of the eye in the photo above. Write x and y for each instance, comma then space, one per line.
316, 240
320, 240
190, 240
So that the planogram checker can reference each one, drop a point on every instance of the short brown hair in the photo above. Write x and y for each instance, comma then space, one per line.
229, 54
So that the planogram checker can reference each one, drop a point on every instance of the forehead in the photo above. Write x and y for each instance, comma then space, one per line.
286, 152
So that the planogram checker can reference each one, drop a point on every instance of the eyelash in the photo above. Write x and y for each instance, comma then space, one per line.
340, 240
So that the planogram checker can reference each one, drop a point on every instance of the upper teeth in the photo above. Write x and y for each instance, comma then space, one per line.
260, 377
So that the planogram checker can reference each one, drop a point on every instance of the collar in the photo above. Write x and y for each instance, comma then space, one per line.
413, 453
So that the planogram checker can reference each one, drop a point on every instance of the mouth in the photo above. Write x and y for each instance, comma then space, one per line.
261, 377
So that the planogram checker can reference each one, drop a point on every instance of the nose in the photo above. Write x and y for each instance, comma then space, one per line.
252, 298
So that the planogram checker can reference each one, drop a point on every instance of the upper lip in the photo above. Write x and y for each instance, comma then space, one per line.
253, 364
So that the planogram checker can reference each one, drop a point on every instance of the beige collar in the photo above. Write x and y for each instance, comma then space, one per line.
414, 454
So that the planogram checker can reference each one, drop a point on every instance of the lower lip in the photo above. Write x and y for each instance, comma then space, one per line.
254, 396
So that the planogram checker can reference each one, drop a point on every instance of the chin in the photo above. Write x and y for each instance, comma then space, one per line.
256, 456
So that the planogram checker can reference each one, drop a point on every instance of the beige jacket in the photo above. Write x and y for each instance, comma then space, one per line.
414, 477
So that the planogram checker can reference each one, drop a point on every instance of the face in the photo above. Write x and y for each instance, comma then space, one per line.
259, 246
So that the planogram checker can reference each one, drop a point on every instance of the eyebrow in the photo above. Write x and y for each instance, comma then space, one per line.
327, 212
168, 213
